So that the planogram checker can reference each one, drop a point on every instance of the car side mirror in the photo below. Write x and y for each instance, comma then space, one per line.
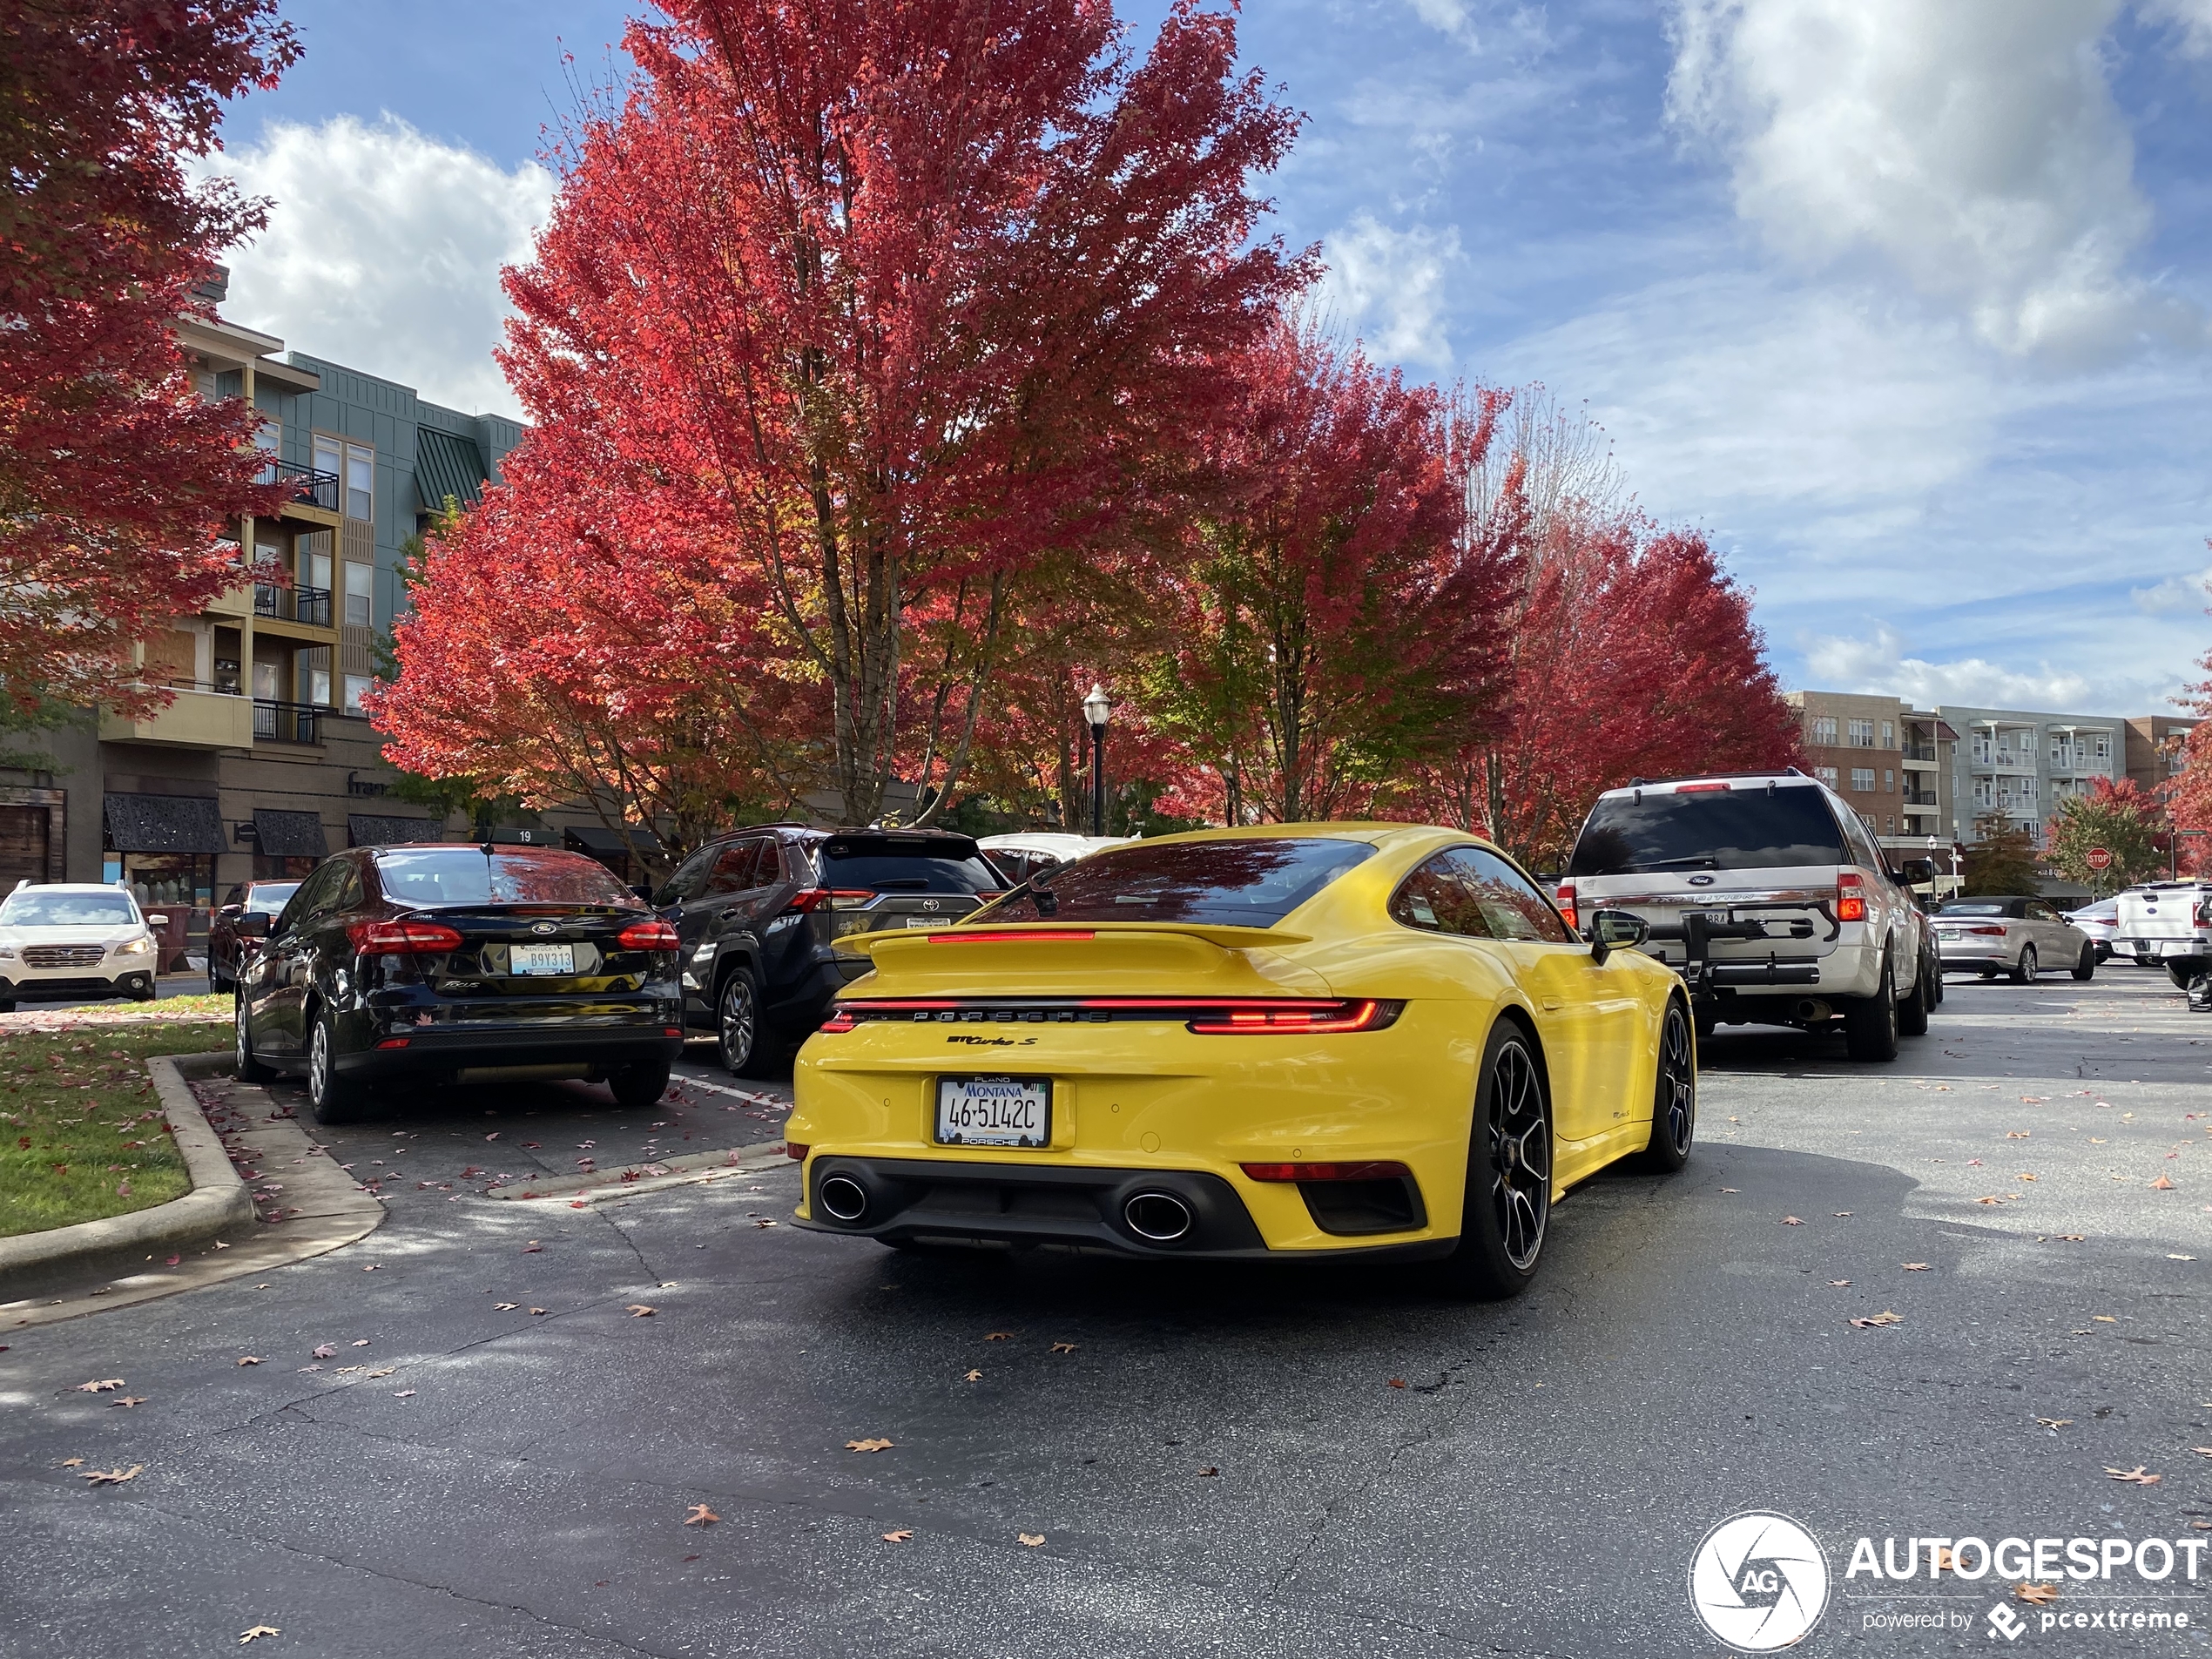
1612, 930
1913, 872
253, 925
157, 921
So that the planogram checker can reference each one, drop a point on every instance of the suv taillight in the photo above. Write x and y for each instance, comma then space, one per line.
401, 939
807, 900
1851, 902
2204, 913
1567, 905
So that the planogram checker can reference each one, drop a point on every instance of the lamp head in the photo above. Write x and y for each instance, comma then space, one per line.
1097, 706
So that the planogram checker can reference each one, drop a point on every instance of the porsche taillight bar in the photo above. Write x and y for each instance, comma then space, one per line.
1207, 1016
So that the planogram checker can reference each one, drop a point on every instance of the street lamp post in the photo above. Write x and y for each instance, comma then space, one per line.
1096, 707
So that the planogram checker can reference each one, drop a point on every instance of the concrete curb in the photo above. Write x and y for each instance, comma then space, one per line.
219, 1204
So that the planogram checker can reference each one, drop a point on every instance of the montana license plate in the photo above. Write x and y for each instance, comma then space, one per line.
540, 959
994, 1111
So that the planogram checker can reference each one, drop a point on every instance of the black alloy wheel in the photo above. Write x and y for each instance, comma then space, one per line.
334, 1099
2024, 971
1507, 1205
736, 1021
249, 1069
1870, 1023
1674, 1100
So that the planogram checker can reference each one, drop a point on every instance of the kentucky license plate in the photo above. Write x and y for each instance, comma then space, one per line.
540, 959
994, 1111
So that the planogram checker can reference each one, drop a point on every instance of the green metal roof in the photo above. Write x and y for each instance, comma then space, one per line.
446, 465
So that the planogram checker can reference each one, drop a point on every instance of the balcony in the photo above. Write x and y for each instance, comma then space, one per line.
308, 605
199, 717
309, 487
1920, 752
288, 722
1921, 798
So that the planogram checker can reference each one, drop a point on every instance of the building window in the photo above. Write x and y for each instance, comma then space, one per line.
1867, 818
330, 457
1888, 782
1862, 734
2104, 746
2027, 787
1862, 778
355, 685
1984, 793
1826, 774
1889, 735
360, 481
1824, 731
1889, 826
361, 582
1982, 749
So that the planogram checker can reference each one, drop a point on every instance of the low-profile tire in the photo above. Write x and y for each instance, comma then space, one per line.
1912, 1012
736, 1021
2024, 971
1507, 1205
1870, 1023
1673, 1095
636, 1087
332, 1097
249, 1069
2087, 967
1935, 988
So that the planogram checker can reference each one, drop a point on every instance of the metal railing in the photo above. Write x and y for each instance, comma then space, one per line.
310, 488
1921, 798
1921, 752
288, 722
310, 605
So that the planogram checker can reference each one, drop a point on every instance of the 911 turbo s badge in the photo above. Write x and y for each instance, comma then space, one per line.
992, 1043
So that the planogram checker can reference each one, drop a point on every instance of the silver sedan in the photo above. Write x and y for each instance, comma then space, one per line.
2018, 936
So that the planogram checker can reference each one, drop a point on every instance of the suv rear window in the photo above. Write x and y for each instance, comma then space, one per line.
454, 876
1733, 829
906, 864
1232, 883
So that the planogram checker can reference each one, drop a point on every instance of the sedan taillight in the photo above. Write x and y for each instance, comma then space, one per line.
648, 935
402, 939
1999, 932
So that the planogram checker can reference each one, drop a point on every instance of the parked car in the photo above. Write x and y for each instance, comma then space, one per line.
758, 911
61, 939
1771, 897
2010, 935
1308, 1043
2167, 924
430, 963
1022, 853
225, 947
2098, 920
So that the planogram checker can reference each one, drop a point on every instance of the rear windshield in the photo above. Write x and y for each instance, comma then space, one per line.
1237, 884
1735, 829
68, 910
1975, 907
455, 875
884, 865
267, 898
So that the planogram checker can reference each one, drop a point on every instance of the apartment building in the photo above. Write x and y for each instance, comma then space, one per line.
2153, 750
2024, 766
1890, 760
262, 763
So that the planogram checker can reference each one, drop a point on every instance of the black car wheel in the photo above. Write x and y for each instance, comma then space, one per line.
736, 1021
1912, 1012
2024, 969
1674, 1101
637, 1087
249, 1069
1509, 1198
1870, 1023
2182, 970
2087, 967
334, 1099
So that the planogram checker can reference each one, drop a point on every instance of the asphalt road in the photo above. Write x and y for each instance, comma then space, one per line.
1217, 1460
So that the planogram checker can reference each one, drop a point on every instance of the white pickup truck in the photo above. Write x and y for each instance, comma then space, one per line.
2167, 923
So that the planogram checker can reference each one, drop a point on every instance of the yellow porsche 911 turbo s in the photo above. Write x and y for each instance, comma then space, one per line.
1301, 1041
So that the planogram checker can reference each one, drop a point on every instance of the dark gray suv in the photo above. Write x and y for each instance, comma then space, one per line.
758, 911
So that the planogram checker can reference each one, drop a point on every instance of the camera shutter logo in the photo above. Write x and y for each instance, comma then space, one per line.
1759, 1582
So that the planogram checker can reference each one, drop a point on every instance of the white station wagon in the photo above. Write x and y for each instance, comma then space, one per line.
70, 939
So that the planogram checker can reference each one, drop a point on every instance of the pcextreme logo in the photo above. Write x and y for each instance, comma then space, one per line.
1759, 1582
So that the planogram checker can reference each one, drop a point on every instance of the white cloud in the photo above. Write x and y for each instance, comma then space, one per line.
2177, 595
1450, 16
1880, 665
1974, 145
2191, 20
1392, 285
383, 251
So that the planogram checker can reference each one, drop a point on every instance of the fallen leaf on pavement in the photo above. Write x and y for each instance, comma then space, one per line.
532, 1248
541, 1310
2018, 1134
326, 1349
763, 1222
1731, 1188
72, 1462
639, 1311
99, 1387
2201, 1451
2070, 1238
2055, 1422
361, 1342
701, 1516
1063, 1347
2036, 1594
975, 1376
2104, 1318
1945, 1560
2162, 1185
1872, 1320
386, 1372
116, 1477
1209, 1469
173, 1260
899, 1536
1839, 1282
1791, 1221
2023, 1176
998, 1336
1989, 1200
257, 1632
403, 1394
130, 1399
1916, 1267
1842, 1214
2173, 1256
251, 1359
867, 1446
1396, 1382
505, 1307
493, 1135
1031, 1539
2134, 1477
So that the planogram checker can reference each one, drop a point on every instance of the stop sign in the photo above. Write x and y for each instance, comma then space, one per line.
2100, 858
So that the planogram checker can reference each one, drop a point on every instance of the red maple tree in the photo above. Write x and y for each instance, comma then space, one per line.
116, 476
902, 300
2187, 797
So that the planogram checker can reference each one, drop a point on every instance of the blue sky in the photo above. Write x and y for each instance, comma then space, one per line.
1904, 303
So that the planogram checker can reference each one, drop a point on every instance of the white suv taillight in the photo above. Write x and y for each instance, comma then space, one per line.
1567, 905
1850, 899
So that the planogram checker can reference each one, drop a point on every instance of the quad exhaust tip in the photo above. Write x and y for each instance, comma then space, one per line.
1160, 1216
844, 1197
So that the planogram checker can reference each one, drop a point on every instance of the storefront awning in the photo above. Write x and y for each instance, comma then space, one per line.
289, 835
605, 843
372, 829
163, 824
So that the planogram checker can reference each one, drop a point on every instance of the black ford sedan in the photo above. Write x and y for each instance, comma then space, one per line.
428, 963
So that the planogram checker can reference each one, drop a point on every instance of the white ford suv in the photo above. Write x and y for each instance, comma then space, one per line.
67, 940
1771, 897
